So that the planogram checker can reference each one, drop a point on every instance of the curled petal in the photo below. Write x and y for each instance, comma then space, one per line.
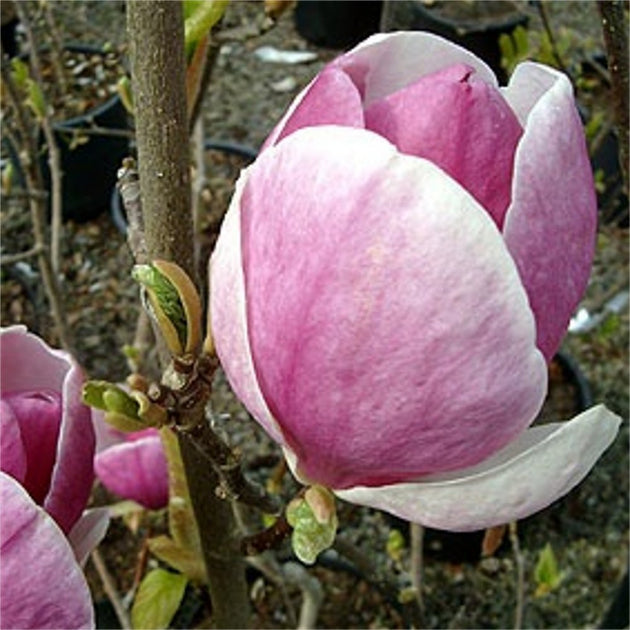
12, 451
385, 63
73, 473
353, 345
41, 581
550, 226
136, 470
541, 466
21, 351
88, 532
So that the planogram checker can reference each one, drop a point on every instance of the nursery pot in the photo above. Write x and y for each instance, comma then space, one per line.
476, 25
89, 167
338, 24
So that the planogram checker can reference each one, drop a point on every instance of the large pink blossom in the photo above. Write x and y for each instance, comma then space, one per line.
46, 449
396, 269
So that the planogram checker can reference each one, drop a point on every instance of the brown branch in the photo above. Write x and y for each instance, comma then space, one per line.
269, 538
9, 259
233, 485
156, 38
110, 589
37, 207
615, 27
544, 16
54, 156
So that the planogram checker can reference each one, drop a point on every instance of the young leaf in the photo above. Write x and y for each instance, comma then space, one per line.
314, 521
158, 599
546, 573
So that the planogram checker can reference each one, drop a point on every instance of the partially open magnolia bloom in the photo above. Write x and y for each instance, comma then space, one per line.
394, 272
132, 465
46, 450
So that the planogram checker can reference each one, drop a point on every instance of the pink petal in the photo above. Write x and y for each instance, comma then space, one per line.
73, 473
28, 363
544, 464
461, 124
386, 62
330, 99
88, 532
551, 224
382, 353
228, 315
136, 470
12, 453
38, 414
42, 584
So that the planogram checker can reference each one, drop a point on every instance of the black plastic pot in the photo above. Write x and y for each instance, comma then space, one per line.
88, 169
338, 24
476, 26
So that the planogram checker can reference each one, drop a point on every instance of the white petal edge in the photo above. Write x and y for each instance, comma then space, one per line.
396, 59
528, 84
228, 312
399, 58
88, 532
528, 475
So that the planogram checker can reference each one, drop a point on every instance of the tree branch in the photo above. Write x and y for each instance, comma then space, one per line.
156, 36
615, 26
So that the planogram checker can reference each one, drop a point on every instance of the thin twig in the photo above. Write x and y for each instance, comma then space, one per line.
56, 48
615, 26
544, 16
417, 562
34, 183
54, 156
520, 577
312, 593
9, 259
110, 589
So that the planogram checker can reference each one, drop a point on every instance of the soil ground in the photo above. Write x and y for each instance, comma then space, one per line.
588, 529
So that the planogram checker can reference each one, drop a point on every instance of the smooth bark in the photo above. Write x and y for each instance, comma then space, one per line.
156, 36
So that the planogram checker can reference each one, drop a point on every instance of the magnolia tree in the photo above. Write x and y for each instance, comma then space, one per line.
394, 274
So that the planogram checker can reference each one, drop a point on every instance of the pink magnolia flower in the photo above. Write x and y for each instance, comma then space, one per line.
396, 269
131, 465
46, 449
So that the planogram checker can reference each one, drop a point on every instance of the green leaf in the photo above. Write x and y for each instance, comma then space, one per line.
121, 410
200, 18
158, 599
20, 72
186, 561
164, 298
395, 545
314, 522
546, 573
36, 100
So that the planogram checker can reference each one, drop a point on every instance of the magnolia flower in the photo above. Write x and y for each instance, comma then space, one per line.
131, 465
46, 449
395, 271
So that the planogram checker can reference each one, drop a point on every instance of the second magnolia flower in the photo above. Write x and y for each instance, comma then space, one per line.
393, 273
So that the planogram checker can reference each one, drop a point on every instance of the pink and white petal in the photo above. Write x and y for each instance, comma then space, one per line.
551, 224
228, 316
136, 470
12, 453
544, 464
42, 584
389, 330
527, 86
73, 473
387, 62
330, 99
27, 363
463, 125
38, 414
88, 532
